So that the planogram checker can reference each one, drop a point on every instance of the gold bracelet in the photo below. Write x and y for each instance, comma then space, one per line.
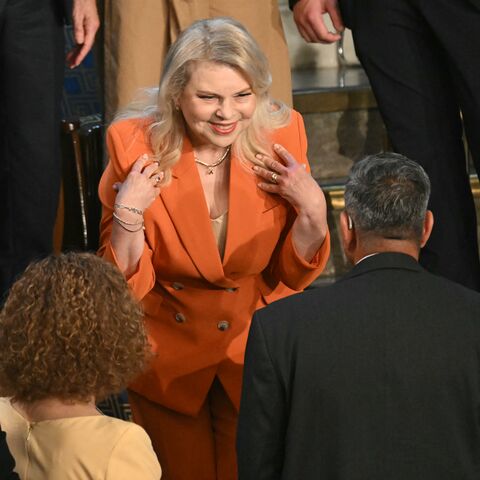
119, 222
130, 209
124, 222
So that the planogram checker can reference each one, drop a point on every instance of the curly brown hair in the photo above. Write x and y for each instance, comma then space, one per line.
70, 329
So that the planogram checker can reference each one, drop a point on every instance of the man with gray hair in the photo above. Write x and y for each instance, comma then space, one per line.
376, 377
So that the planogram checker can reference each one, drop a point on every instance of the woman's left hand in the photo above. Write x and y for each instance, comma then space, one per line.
289, 179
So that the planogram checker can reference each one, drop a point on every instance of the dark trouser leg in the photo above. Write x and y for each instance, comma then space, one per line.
31, 73
462, 59
409, 71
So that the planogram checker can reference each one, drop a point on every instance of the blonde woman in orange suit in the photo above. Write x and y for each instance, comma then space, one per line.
211, 212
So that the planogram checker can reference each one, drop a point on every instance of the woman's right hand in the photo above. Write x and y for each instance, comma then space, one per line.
142, 185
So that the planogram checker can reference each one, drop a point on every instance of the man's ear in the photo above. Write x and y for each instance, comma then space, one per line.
349, 237
427, 228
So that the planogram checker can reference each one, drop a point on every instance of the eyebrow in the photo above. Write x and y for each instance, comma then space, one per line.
207, 92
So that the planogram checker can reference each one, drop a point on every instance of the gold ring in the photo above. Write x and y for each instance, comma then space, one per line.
274, 177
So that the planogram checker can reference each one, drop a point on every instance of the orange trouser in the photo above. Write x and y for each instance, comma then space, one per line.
192, 448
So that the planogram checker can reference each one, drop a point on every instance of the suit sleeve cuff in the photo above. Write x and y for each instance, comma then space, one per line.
142, 280
296, 272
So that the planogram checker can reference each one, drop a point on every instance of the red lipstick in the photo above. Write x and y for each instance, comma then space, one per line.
223, 129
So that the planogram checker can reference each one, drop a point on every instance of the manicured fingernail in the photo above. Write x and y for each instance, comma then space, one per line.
161, 175
259, 156
255, 168
144, 156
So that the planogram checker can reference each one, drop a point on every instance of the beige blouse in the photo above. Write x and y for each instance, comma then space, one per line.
219, 226
78, 448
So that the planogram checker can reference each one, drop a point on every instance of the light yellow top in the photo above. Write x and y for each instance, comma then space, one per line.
78, 448
219, 226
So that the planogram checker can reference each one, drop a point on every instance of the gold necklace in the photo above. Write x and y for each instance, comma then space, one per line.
211, 166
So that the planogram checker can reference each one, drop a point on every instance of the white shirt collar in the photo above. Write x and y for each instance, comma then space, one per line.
366, 256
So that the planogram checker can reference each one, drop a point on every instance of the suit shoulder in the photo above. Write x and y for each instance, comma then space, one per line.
452, 290
292, 136
293, 124
129, 132
294, 308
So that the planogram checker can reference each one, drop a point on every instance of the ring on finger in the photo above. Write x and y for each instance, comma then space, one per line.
274, 177
156, 179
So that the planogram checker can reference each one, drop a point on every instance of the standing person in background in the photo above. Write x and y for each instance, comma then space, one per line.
423, 62
138, 35
31, 82
210, 211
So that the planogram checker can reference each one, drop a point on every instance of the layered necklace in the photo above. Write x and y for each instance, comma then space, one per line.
211, 166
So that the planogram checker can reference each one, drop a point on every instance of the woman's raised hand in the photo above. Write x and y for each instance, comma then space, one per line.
289, 179
142, 185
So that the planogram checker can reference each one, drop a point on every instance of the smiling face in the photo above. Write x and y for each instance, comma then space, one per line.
217, 104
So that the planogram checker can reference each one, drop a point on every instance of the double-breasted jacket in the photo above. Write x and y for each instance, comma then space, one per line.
198, 306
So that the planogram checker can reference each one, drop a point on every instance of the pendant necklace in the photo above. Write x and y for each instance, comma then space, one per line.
211, 166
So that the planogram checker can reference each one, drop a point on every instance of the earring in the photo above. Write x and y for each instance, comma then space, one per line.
177, 108
349, 222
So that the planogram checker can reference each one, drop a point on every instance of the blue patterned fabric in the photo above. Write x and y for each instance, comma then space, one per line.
82, 92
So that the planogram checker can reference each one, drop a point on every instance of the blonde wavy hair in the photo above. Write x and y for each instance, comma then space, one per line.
70, 329
221, 40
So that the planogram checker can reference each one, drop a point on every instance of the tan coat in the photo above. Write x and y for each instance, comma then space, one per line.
138, 34
198, 306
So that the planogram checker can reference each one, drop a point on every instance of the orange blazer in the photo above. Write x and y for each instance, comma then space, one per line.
198, 306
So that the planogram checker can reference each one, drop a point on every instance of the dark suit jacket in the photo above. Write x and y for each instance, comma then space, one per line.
376, 377
67, 8
347, 9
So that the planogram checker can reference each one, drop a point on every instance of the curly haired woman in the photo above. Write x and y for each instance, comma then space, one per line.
71, 334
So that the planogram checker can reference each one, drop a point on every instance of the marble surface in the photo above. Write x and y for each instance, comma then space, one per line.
335, 79
337, 139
